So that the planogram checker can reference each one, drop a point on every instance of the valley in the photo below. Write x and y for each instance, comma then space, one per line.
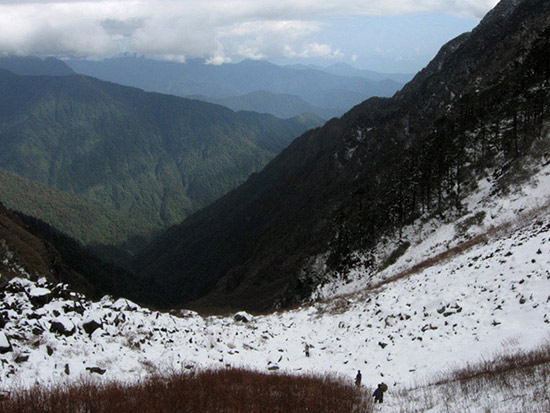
405, 332
168, 253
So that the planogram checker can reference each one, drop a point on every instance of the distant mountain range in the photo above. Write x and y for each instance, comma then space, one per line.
280, 105
150, 158
479, 108
334, 92
343, 69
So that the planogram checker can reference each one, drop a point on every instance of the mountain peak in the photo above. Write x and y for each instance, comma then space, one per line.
35, 66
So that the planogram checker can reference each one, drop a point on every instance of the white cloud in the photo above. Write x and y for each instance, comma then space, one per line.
214, 29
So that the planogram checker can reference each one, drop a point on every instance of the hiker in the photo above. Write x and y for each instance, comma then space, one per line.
379, 393
358, 378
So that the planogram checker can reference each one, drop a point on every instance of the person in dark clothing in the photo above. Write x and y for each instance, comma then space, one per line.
379, 393
358, 378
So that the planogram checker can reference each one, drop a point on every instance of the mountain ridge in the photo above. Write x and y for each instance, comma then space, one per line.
338, 188
35, 66
156, 157
317, 87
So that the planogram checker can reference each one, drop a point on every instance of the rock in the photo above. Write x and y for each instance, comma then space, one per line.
16, 285
242, 316
34, 316
123, 304
91, 324
183, 313
383, 345
97, 370
120, 319
63, 326
5, 345
4, 318
75, 307
21, 358
67, 369
39, 296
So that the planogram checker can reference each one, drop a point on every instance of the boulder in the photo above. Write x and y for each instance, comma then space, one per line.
5, 345
91, 324
123, 304
39, 296
242, 316
63, 326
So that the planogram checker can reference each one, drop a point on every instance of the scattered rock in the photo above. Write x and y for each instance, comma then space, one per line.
4, 318
63, 326
183, 313
242, 316
21, 358
97, 370
123, 304
5, 345
90, 325
40, 296
75, 307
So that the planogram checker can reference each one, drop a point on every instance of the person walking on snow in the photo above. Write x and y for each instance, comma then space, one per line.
379, 393
358, 378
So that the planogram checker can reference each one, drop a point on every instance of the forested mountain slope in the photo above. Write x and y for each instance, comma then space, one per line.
155, 158
280, 105
481, 106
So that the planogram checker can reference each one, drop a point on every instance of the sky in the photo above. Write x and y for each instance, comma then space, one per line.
388, 36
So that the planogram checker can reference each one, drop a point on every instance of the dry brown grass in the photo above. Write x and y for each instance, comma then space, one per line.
518, 382
497, 367
235, 390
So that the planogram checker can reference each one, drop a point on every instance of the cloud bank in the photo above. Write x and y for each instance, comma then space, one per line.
217, 30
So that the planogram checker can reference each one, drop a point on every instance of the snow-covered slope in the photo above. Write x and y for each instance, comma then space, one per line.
490, 293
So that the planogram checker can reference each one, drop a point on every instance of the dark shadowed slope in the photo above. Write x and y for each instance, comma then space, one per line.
481, 103
30, 246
